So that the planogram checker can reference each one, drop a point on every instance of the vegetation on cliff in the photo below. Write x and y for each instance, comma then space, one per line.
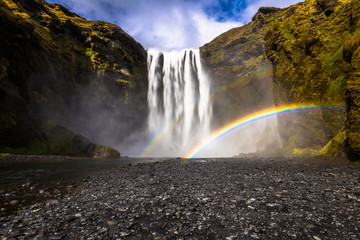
62, 76
88, 76
352, 56
240, 70
313, 49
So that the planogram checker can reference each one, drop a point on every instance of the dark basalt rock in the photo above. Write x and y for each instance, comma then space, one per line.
328, 6
264, 10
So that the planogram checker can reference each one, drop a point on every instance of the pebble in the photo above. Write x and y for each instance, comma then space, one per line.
218, 199
52, 202
102, 230
111, 223
14, 202
254, 235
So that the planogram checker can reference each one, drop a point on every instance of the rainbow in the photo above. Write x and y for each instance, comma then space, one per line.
238, 83
162, 133
250, 118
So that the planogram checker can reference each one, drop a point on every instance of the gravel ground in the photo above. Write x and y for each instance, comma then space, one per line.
32, 158
243, 198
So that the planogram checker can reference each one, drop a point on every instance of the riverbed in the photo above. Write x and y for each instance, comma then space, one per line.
25, 180
234, 198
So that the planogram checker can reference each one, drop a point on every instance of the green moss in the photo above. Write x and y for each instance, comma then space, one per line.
89, 52
217, 56
337, 88
290, 144
123, 81
304, 151
354, 140
36, 147
51, 56
336, 146
7, 120
60, 140
129, 57
286, 28
3, 68
306, 48
107, 147
315, 59
332, 56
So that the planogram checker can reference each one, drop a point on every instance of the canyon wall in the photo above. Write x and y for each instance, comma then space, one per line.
66, 81
304, 54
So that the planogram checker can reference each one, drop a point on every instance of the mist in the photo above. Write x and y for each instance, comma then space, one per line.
170, 107
105, 115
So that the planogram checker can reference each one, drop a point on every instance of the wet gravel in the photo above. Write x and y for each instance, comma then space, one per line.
243, 198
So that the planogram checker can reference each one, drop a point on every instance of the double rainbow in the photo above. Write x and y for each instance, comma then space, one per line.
251, 118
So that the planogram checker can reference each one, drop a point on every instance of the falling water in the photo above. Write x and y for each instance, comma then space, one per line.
180, 111
178, 98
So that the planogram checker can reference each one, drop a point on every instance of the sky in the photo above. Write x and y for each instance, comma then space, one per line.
172, 24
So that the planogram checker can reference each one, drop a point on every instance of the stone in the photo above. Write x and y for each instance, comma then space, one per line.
111, 223
14, 202
52, 202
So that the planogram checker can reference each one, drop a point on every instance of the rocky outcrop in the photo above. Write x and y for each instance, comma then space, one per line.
311, 50
68, 143
99, 151
88, 76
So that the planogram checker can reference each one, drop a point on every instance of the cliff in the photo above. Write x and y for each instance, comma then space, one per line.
60, 74
351, 53
240, 70
310, 54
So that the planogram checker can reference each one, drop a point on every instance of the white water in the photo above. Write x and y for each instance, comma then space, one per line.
180, 111
178, 99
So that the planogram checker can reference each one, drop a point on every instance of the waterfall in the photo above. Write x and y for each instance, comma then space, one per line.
179, 102
180, 111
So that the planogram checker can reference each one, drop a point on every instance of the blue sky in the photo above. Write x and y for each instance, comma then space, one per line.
172, 24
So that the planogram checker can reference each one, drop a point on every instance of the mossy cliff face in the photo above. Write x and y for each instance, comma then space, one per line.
242, 75
89, 76
312, 48
352, 56
305, 45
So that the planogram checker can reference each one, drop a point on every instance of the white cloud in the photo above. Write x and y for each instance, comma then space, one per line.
171, 26
167, 24
209, 28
